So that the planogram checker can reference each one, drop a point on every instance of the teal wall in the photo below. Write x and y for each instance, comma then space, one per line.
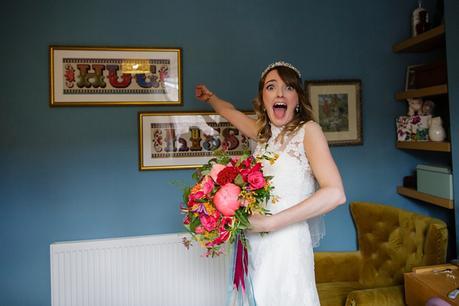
452, 44
72, 173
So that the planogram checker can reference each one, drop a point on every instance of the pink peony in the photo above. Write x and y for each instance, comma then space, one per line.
216, 168
209, 222
256, 180
207, 184
226, 199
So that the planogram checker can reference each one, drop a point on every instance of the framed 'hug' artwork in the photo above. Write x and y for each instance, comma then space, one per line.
96, 76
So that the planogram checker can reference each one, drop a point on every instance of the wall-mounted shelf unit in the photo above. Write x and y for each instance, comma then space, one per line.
414, 194
426, 41
425, 146
422, 92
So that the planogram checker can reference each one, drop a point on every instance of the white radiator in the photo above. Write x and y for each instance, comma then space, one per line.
136, 271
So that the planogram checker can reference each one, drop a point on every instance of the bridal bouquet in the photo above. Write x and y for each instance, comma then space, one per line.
227, 191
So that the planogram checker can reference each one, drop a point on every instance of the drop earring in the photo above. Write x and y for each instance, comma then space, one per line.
297, 108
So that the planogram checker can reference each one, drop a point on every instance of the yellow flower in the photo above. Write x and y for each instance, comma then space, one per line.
273, 158
248, 197
209, 208
195, 188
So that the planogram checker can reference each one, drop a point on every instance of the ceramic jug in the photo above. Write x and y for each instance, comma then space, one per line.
436, 130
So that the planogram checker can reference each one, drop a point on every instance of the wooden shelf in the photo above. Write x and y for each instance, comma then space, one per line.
426, 41
414, 194
440, 146
422, 92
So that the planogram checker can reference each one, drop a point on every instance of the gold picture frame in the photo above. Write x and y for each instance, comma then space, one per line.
337, 108
107, 76
183, 140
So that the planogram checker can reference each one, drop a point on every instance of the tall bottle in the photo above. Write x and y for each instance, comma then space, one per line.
419, 20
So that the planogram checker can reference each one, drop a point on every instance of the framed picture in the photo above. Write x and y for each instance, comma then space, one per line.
410, 77
426, 75
96, 76
186, 140
337, 108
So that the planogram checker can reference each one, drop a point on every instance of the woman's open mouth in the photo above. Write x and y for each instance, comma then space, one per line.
279, 110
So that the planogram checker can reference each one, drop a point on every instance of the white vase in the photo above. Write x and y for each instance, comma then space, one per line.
436, 130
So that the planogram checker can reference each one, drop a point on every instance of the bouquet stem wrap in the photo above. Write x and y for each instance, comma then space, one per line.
240, 266
242, 290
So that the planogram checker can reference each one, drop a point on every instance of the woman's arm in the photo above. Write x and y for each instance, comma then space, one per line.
241, 121
329, 195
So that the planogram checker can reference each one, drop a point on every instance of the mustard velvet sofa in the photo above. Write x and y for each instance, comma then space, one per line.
391, 241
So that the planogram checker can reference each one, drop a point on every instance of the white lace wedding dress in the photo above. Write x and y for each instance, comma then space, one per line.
281, 263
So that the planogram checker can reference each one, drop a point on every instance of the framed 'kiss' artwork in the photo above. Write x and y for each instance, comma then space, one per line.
180, 140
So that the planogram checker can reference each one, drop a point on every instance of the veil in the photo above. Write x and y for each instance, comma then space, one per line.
316, 229
316, 226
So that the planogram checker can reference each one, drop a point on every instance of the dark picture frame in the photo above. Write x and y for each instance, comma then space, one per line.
337, 107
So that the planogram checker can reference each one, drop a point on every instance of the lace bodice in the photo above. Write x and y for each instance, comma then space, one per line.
293, 179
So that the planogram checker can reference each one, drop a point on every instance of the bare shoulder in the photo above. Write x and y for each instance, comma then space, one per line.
312, 131
311, 125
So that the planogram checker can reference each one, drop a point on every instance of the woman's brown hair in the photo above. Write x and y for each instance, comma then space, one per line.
303, 115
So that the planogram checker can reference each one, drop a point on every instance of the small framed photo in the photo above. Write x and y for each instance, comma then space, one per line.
337, 106
426, 75
410, 78
96, 76
186, 139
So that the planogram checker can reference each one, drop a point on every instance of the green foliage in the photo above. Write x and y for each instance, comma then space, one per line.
186, 194
239, 180
194, 222
243, 219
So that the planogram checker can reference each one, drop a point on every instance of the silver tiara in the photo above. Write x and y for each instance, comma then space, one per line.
280, 64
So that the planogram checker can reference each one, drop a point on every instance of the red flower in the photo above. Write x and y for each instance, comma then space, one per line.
209, 222
227, 175
415, 119
223, 237
246, 172
195, 196
256, 180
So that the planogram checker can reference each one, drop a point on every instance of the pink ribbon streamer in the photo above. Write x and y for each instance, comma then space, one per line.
241, 266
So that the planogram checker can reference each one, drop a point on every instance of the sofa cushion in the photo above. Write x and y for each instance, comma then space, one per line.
387, 296
335, 293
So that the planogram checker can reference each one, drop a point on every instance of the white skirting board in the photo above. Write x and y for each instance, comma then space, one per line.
152, 270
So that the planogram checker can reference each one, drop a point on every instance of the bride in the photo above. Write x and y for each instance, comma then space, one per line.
307, 184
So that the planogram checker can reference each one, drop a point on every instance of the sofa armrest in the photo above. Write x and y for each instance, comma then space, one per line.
337, 266
384, 296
